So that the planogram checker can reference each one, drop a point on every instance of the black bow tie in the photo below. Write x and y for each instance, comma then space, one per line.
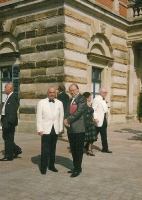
51, 100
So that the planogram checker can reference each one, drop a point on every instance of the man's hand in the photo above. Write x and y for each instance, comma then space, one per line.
61, 132
96, 121
66, 123
40, 133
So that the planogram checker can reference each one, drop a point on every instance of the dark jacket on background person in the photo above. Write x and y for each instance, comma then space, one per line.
11, 107
9, 122
64, 98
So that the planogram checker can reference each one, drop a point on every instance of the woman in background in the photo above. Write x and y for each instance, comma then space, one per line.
90, 134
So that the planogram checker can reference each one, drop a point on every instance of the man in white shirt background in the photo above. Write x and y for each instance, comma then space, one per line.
100, 118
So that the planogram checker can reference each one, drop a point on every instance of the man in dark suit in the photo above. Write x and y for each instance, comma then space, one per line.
62, 96
75, 124
9, 121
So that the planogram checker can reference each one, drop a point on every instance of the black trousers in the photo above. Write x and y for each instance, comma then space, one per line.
103, 132
76, 141
9, 144
48, 150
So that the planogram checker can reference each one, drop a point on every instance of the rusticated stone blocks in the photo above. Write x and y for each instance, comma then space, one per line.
47, 63
118, 98
31, 34
38, 72
28, 65
27, 95
118, 111
50, 79
27, 110
27, 50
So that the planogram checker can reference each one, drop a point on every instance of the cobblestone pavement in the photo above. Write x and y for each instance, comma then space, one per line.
116, 176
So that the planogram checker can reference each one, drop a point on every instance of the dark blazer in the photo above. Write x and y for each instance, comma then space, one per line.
11, 108
76, 120
64, 98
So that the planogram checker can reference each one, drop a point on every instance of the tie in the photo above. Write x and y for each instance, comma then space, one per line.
51, 100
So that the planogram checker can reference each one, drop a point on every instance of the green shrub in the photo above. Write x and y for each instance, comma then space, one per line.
140, 106
138, 1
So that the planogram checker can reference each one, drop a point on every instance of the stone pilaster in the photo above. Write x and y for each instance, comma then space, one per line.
130, 89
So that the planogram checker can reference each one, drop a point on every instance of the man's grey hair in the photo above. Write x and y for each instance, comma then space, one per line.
73, 84
102, 89
10, 85
49, 87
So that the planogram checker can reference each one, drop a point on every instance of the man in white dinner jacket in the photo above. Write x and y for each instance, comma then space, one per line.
50, 115
100, 118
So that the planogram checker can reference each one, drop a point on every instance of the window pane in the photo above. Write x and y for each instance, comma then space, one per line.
4, 96
3, 85
96, 73
96, 81
6, 74
97, 87
92, 87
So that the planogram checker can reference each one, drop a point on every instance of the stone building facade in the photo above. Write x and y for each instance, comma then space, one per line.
89, 42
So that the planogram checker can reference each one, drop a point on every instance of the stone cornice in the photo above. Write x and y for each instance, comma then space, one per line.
20, 6
100, 12
9, 56
100, 58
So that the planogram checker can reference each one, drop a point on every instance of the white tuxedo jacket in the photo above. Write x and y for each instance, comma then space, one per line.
46, 118
98, 110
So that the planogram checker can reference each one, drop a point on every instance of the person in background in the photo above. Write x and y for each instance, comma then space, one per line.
50, 115
75, 124
9, 121
62, 96
90, 133
100, 118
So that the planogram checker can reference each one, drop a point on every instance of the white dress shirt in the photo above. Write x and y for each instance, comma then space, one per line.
74, 99
52, 105
3, 109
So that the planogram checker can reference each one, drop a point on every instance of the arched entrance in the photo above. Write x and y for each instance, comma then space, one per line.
100, 62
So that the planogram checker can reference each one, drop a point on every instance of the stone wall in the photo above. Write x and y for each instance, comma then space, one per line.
82, 30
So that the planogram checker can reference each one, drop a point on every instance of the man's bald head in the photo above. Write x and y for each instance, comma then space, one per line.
51, 92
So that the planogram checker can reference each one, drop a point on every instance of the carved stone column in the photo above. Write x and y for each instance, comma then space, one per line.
130, 89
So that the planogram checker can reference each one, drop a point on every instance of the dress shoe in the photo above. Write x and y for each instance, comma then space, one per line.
6, 159
74, 174
16, 154
90, 153
70, 171
106, 151
53, 169
43, 173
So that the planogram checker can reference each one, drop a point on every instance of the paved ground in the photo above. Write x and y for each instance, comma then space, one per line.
116, 176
